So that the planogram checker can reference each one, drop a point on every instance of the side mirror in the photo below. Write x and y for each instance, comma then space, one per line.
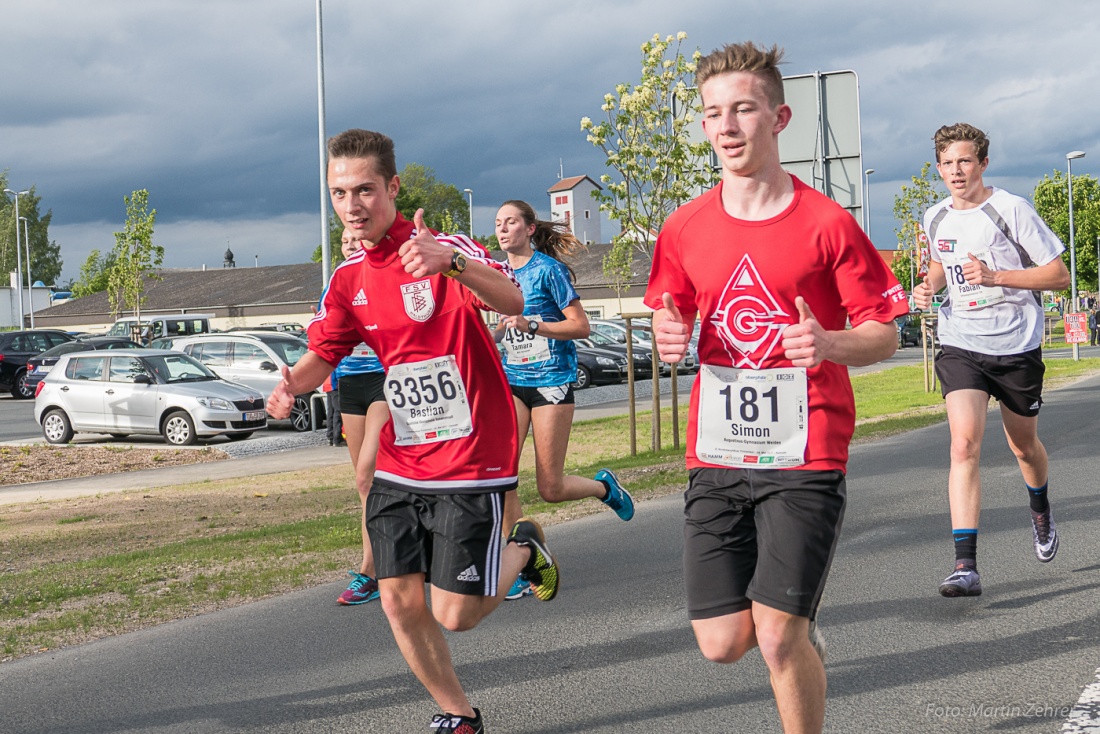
143, 380
268, 366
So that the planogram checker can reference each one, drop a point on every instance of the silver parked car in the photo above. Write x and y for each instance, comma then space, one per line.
254, 359
144, 391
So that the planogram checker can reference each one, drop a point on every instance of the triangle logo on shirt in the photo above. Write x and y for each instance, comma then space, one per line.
748, 319
360, 299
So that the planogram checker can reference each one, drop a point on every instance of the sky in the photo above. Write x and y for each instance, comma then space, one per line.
212, 105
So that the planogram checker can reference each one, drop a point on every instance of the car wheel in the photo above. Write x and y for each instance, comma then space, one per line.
56, 427
239, 436
179, 429
584, 378
300, 414
19, 387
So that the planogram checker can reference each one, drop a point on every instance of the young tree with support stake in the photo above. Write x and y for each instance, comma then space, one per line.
136, 257
909, 207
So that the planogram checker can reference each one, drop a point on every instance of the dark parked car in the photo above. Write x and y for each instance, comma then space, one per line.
598, 367
643, 357
16, 347
40, 366
909, 330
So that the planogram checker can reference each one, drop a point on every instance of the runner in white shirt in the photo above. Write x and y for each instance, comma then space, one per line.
994, 254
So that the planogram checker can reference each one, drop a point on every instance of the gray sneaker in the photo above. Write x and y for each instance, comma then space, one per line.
1045, 534
963, 582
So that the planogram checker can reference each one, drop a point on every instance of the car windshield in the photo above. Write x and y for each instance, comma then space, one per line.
178, 368
289, 349
67, 347
601, 340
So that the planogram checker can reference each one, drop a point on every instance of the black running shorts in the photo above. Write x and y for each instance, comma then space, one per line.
1016, 380
453, 539
357, 392
536, 397
760, 535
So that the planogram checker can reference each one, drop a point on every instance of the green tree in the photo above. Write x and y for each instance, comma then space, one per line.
46, 259
1051, 199
136, 257
909, 208
420, 189
335, 232
95, 274
645, 140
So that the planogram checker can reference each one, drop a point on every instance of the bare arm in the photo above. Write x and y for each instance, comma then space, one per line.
1054, 276
807, 344
932, 283
573, 326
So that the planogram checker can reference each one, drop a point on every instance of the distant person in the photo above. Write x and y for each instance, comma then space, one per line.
541, 361
1093, 331
774, 270
448, 454
363, 412
996, 256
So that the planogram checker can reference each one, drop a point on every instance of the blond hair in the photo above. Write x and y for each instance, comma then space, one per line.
747, 57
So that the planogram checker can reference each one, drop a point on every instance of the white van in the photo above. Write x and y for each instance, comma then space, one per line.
156, 327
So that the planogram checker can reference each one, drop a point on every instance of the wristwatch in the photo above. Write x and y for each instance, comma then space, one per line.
458, 264
532, 326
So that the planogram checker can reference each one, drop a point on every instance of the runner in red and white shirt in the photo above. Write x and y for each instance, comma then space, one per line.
774, 272
434, 512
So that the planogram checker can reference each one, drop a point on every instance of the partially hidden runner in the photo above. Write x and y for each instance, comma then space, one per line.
435, 509
540, 361
363, 408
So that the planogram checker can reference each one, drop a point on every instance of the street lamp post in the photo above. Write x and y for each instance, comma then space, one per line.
470, 192
30, 288
1072, 251
18, 256
867, 202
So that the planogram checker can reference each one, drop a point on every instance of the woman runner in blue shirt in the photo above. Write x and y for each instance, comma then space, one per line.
541, 361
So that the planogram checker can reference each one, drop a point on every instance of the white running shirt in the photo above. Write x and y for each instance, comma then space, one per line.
997, 321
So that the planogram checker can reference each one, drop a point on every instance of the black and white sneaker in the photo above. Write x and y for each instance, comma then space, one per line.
1045, 534
458, 724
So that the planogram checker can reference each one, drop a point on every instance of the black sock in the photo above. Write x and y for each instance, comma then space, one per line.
966, 547
1037, 498
606, 490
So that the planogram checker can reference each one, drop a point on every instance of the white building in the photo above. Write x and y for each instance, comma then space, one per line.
9, 302
572, 201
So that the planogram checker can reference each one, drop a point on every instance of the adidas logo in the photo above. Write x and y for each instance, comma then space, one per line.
1034, 406
360, 298
470, 574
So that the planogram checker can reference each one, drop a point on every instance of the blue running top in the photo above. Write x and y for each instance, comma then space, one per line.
547, 290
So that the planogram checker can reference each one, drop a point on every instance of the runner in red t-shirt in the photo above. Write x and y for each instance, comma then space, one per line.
774, 271
434, 511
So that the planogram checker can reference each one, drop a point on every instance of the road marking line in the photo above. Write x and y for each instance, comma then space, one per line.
1085, 717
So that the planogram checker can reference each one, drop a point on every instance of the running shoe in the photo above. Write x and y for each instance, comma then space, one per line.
458, 724
541, 569
963, 582
520, 588
817, 640
1046, 535
361, 590
618, 499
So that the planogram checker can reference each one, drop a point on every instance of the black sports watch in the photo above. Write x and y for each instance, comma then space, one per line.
458, 264
532, 326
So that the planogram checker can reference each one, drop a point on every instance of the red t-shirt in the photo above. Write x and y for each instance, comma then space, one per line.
453, 424
742, 278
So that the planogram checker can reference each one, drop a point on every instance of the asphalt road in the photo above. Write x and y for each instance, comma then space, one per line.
614, 652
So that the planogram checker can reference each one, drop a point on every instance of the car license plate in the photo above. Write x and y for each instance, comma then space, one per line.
254, 415
43, 368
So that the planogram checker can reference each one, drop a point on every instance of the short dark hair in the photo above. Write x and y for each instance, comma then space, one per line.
961, 132
356, 143
762, 62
